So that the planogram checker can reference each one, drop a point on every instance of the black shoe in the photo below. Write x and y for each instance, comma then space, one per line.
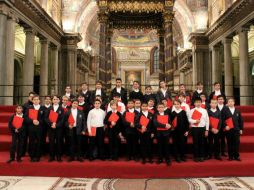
208, 157
218, 158
143, 161
10, 161
159, 161
80, 159
178, 160
238, 159
71, 159
224, 154
201, 159
150, 160
37, 159
230, 159
51, 159
168, 162
19, 160
183, 159
196, 159
59, 159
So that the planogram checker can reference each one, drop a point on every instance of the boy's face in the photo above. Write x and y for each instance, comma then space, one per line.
144, 107
68, 89
98, 86
56, 100
84, 87
161, 108
47, 100
150, 103
19, 110
97, 104
217, 87
197, 104
30, 97
64, 101
162, 84
118, 83
36, 100
116, 98
137, 104
177, 105
221, 100
182, 88
130, 105
203, 98
213, 104
231, 103
81, 99
200, 87
74, 104
135, 85
181, 98
113, 107
148, 90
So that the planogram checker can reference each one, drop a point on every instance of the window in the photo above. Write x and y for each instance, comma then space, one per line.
156, 60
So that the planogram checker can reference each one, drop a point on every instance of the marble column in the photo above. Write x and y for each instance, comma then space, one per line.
54, 63
44, 67
102, 47
216, 67
108, 59
200, 57
169, 67
68, 68
228, 67
161, 34
28, 66
244, 68
182, 78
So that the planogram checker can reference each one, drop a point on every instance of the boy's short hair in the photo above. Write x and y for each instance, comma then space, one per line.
202, 94
151, 99
74, 100
160, 104
198, 99
181, 84
135, 81
136, 100
19, 106
33, 93
47, 96
182, 94
144, 103
116, 94
231, 98
148, 86
112, 102
199, 83
216, 83
177, 101
220, 96
214, 100
36, 96
119, 79
84, 83
65, 97
56, 96
81, 95
97, 100
130, 100
98, 82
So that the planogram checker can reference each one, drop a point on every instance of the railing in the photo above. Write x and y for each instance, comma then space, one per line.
18, 96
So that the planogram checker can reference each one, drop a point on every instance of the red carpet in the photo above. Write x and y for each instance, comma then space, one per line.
123, 169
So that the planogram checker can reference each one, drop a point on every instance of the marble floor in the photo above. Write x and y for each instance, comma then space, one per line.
55, 183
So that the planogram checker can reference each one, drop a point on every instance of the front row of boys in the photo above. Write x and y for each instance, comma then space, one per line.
135, 125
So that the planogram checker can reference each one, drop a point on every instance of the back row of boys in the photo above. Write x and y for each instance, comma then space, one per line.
74, 122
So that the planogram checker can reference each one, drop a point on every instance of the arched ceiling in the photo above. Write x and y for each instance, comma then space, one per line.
81, 16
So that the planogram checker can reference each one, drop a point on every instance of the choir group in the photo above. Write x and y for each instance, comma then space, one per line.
76, 125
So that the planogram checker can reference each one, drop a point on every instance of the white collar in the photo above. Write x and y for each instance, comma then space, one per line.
161, 113
137, 109
84, 92
47, 106
135, 90
145, 113
199, 91
68, 94
131, 110
81, 103
37, 107
217, 92
213, 110
19, 115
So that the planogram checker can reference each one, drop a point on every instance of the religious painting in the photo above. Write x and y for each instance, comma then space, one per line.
131, 76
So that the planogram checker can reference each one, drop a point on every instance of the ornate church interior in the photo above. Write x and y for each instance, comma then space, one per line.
69, 42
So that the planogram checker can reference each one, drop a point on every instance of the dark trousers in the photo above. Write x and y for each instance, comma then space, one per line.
233, 140
198, 134
85, 145
214, 144
98, 141
17, 145
66, 141
145, 145
179, 142
43, 139
75, 143
35, 133
132, 144
25, 143
113, 143
222, 137
55, 142
163, 146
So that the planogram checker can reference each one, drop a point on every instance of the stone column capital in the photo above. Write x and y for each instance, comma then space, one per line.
29, 30
243, 29
43, 40
227, 40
